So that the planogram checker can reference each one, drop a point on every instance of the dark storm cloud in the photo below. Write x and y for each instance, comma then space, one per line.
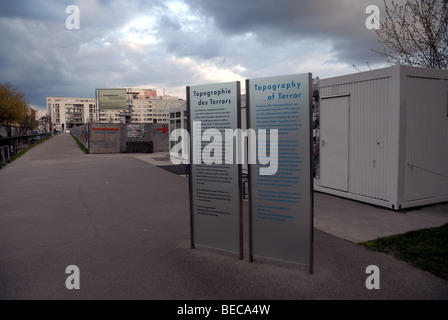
41, 57
191, 40
36, 10
184, 43
277, 22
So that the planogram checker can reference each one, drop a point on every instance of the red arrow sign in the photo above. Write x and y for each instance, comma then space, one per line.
164, 129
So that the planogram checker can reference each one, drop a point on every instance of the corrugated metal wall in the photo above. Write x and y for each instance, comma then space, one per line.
369, 139
426, 138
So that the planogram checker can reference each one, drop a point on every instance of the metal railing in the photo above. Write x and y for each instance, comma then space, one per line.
5, 155
11, 146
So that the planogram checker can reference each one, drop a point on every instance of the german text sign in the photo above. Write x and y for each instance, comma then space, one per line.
215, 197
281, 204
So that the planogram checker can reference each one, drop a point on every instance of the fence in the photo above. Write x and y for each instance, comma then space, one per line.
9, 147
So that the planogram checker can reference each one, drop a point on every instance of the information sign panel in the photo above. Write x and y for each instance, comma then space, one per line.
215, 186
281, 204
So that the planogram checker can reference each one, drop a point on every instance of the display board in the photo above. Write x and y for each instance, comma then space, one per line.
281, 204
136, 130
215, 186
112, 99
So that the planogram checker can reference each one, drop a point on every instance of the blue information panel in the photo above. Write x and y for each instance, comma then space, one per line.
281, 198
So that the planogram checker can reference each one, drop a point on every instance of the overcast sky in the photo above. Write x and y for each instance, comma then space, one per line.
169, 44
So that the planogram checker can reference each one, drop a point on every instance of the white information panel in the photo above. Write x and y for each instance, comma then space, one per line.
281, 202
215, 192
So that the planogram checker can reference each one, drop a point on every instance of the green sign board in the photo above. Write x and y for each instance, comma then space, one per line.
112, 99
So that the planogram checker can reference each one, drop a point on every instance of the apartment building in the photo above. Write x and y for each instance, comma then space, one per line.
142, 106
66, 112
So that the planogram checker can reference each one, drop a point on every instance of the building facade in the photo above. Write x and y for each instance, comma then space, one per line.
143, 106
178, 120
383, 136
66, 113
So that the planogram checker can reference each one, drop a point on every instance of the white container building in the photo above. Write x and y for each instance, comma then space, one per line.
384, 137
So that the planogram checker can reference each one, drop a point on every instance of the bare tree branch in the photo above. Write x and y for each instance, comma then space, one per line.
415, 33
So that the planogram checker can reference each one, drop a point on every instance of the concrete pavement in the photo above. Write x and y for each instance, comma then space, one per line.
352, 220
125, 223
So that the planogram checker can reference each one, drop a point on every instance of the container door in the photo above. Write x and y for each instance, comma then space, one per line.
334, 128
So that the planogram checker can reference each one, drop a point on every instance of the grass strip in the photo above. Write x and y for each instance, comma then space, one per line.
426, 249
80, 145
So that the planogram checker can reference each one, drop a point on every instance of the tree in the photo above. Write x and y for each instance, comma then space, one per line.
415, 33
29, 121
12, 106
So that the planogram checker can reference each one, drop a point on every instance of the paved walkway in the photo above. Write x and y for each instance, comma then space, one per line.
125, 223
352, 220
